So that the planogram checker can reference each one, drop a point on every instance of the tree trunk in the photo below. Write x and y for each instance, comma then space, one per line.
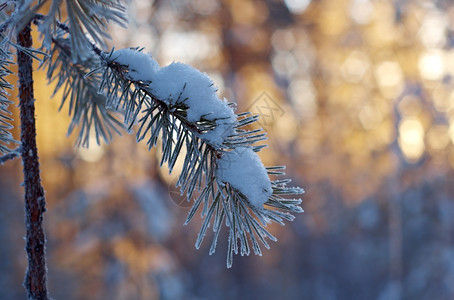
36, 275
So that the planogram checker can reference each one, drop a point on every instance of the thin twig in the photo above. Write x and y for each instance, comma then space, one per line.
5, 24
65, 28
12, 155
13, 17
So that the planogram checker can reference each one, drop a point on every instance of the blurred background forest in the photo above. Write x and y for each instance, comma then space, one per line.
357, 99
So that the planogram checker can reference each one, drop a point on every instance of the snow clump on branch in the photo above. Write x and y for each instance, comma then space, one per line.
243, 170
181, 84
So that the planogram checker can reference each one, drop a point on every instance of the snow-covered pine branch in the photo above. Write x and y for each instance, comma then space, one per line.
176, 104
180, 104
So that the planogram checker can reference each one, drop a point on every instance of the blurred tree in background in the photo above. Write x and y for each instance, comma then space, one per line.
358, 104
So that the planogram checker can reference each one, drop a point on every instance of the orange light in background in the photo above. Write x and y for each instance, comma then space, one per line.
370, 117
297, 6
283, 40
383, 31
432, 32
449, 61
204, 7
304, 97
93, 153
285, 63
389, 78
245, 12
382, 136
141, 10
411, 138
431, 65
361, 11
451, 130
286, 126
333, 19
187, 47
144, 38
355, 66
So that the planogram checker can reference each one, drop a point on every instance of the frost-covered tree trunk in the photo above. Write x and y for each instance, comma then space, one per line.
36, 274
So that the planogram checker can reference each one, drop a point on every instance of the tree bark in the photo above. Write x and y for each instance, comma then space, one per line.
36, 275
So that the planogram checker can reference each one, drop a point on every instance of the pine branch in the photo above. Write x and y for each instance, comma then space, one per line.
134, 83
166, 108
87, 22
6, 137
87, 111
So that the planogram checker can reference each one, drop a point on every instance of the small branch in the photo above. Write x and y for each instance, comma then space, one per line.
65, 28
13, 17
12, 155
7, 22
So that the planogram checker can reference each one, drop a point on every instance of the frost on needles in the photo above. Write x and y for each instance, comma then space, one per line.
221, 171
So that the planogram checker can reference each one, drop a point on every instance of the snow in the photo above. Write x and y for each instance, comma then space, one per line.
181, 83
142, 67
223, 129
243, 170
